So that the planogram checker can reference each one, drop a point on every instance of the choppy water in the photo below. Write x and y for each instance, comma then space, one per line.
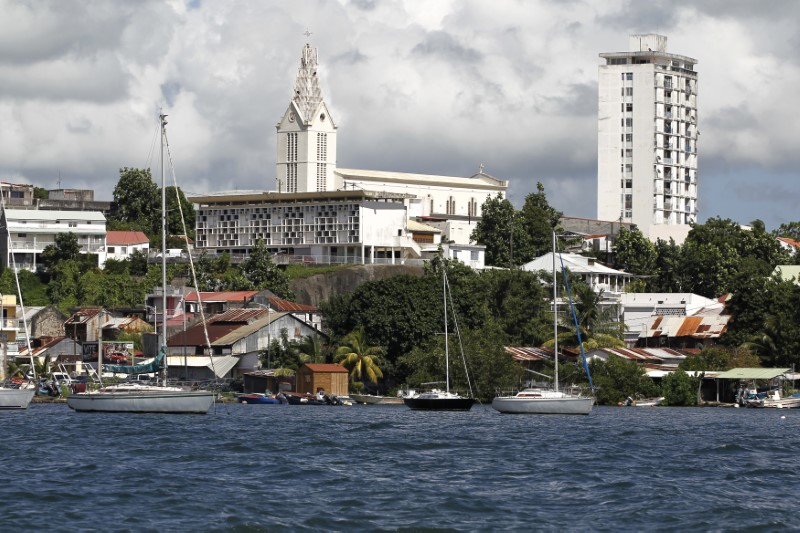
387, 468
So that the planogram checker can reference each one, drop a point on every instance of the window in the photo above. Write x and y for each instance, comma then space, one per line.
291, 177
628, 91
321, 176
473, 255
291, 147
17, 194
451, 206
472, 208
628, 122
111, 249
627, 76
628, 184
668, 82
628, 202
629, 137
322, 147
629, 108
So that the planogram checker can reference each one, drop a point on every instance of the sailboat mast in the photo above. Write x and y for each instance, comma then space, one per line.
555, 315
163, 343
446, 346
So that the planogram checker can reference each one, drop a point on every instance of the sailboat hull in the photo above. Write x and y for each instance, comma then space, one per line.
564, 405
152, 401
16, 398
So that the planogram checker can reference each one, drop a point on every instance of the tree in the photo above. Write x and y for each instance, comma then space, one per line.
598, 324
502, 230
680, 389
177, 204
635, 253
259, 269
539, 220
41, 194
310, 349
789, 229
617, 379
65, 248
137, 200
668, 275
359, 357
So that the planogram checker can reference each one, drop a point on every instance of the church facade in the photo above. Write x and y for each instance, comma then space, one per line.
321, 213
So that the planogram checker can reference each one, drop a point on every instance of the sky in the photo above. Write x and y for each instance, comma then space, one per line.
430, 87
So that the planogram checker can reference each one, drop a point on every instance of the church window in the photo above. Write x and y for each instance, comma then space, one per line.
291, 177
322, 146
451, 206
321, 176
291, 147
472, 208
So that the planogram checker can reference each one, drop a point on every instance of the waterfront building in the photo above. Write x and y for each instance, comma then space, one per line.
593, 273
647, 138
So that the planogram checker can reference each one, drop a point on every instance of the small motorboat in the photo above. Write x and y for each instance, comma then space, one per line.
261, 399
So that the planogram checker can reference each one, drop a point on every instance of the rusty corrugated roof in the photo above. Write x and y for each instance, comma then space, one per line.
115, 238
286, 306
521, 353
82, 315
242, 316
224, 296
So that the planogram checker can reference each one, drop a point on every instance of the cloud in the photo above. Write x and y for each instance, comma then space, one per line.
417, 86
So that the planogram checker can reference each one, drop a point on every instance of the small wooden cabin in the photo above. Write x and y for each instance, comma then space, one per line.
331, 378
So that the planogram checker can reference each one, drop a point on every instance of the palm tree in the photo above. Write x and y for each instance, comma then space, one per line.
598, 324
309, 350
359, 358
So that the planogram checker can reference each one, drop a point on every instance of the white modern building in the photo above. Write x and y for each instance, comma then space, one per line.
27, 232
647, 138
593, 273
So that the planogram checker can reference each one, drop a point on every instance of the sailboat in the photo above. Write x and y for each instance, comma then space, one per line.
436, 399
550, 401
14, 395
139, 398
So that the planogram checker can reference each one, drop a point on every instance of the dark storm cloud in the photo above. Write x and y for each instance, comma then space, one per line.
576, 99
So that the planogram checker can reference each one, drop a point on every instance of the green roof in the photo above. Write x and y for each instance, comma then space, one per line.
753, 373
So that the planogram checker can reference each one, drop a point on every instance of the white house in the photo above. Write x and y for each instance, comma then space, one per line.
592, 272
638, 309
121, 244
26, 233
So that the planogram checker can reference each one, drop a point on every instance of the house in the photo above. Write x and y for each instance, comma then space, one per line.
638, 309
788, 272
791, 245
331, 378
40, 322
86, 326
241, 333
17, 195
307, 313
30, 231
683, 332
116, 326
61, 350
594, 235
217, 302
592, 272
8, 329
121, 244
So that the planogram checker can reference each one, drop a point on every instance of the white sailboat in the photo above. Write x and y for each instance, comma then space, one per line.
548, 401
14, 395
137, 398
441, 400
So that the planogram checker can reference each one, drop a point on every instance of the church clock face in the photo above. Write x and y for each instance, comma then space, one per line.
291, 117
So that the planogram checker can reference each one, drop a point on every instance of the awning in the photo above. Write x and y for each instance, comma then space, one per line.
222, 363
753, 373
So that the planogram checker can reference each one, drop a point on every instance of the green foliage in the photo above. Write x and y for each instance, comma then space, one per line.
635, 253
106, 289
41, 194
617, 379
720, 358
137, 201
294, 272
668, 269
514, 237
66, 248
497, 229
539, 220
259, 269
361, 359
137, 263
175, 199
34, 292
680, 389
490, 367
789, 229
63, 289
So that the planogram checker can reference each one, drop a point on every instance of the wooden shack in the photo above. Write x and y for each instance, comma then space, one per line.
332, 379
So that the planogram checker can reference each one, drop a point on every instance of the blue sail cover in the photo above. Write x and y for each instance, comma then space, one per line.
153, 366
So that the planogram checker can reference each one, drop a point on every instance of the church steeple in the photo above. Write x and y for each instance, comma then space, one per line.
307, 92
306, 157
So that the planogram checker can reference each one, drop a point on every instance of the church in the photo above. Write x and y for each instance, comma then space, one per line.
319, 213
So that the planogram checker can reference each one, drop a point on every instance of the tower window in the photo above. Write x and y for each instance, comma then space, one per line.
322, 146
291, 147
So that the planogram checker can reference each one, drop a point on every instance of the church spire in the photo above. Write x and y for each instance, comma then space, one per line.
307, 92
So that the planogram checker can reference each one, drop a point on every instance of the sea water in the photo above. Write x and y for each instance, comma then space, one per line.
387, 468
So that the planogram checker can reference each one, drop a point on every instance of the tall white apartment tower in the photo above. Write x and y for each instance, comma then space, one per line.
647, 138
306, 135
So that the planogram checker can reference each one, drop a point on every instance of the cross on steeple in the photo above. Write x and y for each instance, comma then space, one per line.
307, 33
